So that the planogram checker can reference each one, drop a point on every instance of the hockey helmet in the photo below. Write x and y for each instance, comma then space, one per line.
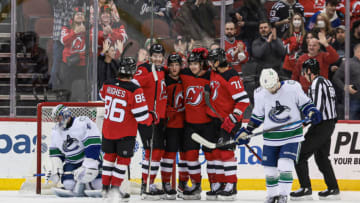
194, 57
174, 58
218, 54
311, 64
61, 114
157, 48
269, 79
127, 66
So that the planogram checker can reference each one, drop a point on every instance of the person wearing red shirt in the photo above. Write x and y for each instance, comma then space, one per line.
153, 90
125, 107
312, 6
174, 131
229, 100
324, 59
236, 52
194, 78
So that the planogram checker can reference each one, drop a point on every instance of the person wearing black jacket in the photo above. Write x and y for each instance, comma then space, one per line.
107, 65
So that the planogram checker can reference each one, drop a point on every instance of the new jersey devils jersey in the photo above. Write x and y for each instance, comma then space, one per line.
233, 58
125, 106
145, 78
195, 106
227, 93
175, 110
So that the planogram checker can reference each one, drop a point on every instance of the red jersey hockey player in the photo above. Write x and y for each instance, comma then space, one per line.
145, 78
125, 107
194, 79
229, 100
174, 131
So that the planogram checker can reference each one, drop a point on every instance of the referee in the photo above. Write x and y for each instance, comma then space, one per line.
318, 137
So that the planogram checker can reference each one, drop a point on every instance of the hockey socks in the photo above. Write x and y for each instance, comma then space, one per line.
114, 174
193, 164
166, 164
155, 163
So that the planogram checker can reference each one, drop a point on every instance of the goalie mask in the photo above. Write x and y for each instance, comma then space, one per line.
269, 80
61, 115
218, 54
127, 66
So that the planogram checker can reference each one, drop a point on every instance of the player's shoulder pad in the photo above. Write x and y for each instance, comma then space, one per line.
227, 75
293, 84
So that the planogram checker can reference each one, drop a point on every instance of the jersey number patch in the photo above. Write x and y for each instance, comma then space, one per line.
113, 111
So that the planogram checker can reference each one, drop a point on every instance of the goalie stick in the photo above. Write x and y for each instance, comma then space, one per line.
207, 101
213, 145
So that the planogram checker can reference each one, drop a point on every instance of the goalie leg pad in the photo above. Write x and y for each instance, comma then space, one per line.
62, 192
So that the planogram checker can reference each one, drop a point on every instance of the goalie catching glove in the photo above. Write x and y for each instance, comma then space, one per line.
55, 173
88, 171
232, 120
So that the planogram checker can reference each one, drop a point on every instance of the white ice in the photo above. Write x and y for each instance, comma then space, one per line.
242, 197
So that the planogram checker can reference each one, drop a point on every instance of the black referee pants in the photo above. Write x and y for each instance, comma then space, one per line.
317, 142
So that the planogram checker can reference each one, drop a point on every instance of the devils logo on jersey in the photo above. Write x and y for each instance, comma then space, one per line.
163, 95
179, 100
78, 45
194, 95
275, 113
214, 86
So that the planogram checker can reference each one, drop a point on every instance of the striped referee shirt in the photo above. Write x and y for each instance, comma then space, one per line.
322, 93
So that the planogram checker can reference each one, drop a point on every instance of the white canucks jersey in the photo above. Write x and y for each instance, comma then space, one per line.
71, 144
280, 108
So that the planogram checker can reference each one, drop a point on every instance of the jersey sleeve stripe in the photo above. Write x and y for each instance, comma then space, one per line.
142, 118
55, 152
91, 141
239, 95
244, 99
139, 109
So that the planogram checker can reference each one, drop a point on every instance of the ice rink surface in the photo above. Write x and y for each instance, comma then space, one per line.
243, 197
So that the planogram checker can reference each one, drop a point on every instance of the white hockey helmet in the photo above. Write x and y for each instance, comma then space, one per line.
61, 115
269, 79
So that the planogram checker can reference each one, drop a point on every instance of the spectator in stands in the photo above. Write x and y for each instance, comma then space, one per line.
268, 49
323, 25
247, 17
354, 85
293, 41
109, 4
107, 65
339, 45
63, 10
355, 11
236, 52
110, 30
182, 47
281, 14
195, 22
305, 42
142, 56
311, 7
73, 69
354, 36
148, 43
330, 13
324, 59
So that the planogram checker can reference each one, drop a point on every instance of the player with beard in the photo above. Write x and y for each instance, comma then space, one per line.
145, 78
236, 52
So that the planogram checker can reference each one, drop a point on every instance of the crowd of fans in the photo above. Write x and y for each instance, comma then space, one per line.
281, 38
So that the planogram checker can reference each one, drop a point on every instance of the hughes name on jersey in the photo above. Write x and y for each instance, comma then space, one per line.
280, 108
75, 143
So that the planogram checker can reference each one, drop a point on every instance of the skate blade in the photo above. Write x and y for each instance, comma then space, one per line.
227, 198
306, 197
331, 197
212, 197
151, 197
192, 197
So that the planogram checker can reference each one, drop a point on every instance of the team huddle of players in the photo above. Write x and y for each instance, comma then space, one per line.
167, 105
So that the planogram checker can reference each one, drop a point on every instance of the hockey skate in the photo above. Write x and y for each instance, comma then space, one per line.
301, 194
116, 194
181, 188
228, 193
153, 194
170, 194
272, 199
333, 194
193, 192
215, 190
282, 199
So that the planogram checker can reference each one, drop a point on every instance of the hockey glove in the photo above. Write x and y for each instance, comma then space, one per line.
241, 137
53, 177
230, 122
315, 116
55, 173
155, 117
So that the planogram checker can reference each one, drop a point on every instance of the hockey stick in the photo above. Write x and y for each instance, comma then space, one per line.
153, 128
213, 145
207, 101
